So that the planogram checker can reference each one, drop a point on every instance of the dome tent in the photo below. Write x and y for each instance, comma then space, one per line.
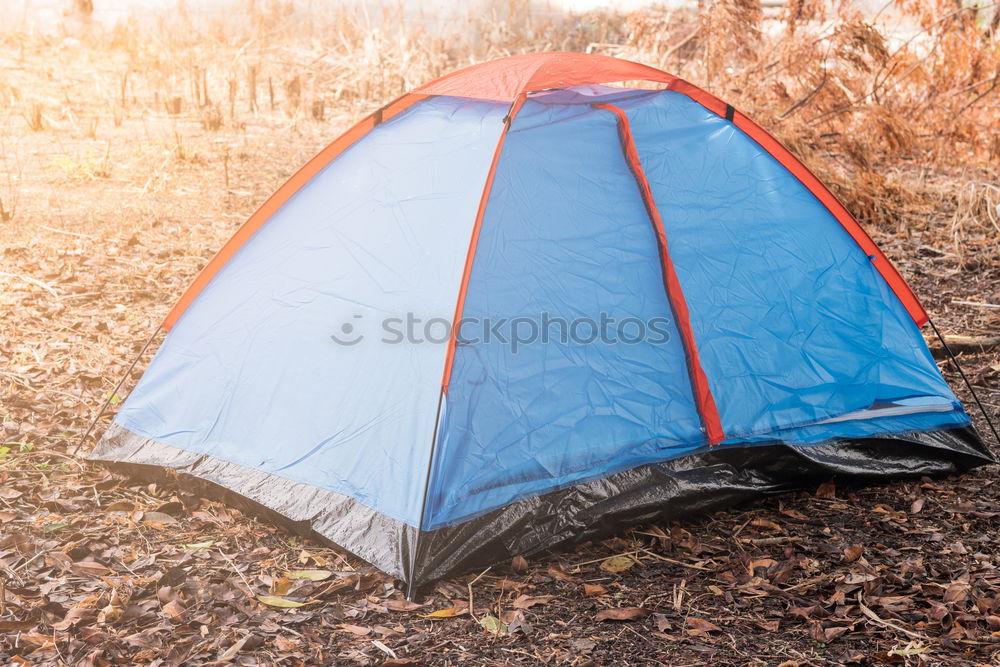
759, 339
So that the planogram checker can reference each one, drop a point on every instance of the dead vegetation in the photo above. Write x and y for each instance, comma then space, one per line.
870, 102
128, 155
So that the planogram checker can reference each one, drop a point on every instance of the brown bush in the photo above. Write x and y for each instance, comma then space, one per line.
851, 101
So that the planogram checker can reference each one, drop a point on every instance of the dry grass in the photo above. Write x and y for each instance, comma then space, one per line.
851, 101
847, 98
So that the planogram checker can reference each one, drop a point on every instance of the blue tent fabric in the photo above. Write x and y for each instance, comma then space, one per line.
250, 374
827, 336
565, 237
785, 326
291, 369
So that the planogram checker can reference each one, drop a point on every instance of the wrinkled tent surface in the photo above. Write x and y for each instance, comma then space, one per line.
790, 350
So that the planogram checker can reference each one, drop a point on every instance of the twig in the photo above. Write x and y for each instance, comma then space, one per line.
805, 100
675, 562
231, 652
385, 649
963, 344
802, 584
976, 303
26, 563
886, 624
601, 560
472, 610
64, 456
679, 45
975, 100
63, 231
769, 541
877, 84
246, 582
33, 281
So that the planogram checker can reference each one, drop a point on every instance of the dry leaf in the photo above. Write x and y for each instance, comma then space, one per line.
311, 575
359, 630
199, 546
306, 556
826, 490
617, 564
38, 639
853, 552
563, 575
89, 567
766, 524
493, 625
402, 605
280, 586
287, 643
766, 563
120, 506
622, 614
519, 564
449, 612
699, 626
527, 602
233, 650
15, 626
174, 610
958, 591
836, 631
593, 589
282, 603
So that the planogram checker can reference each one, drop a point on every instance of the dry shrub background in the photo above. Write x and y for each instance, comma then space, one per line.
820, 75
853, 102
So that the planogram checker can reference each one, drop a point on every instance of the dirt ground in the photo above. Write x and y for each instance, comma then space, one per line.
109, 221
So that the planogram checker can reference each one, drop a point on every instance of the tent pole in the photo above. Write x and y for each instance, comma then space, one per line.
453, 341
968, 384
410, 588
114, 392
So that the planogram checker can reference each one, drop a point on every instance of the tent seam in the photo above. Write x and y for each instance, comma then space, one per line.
460, 304
703, 397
